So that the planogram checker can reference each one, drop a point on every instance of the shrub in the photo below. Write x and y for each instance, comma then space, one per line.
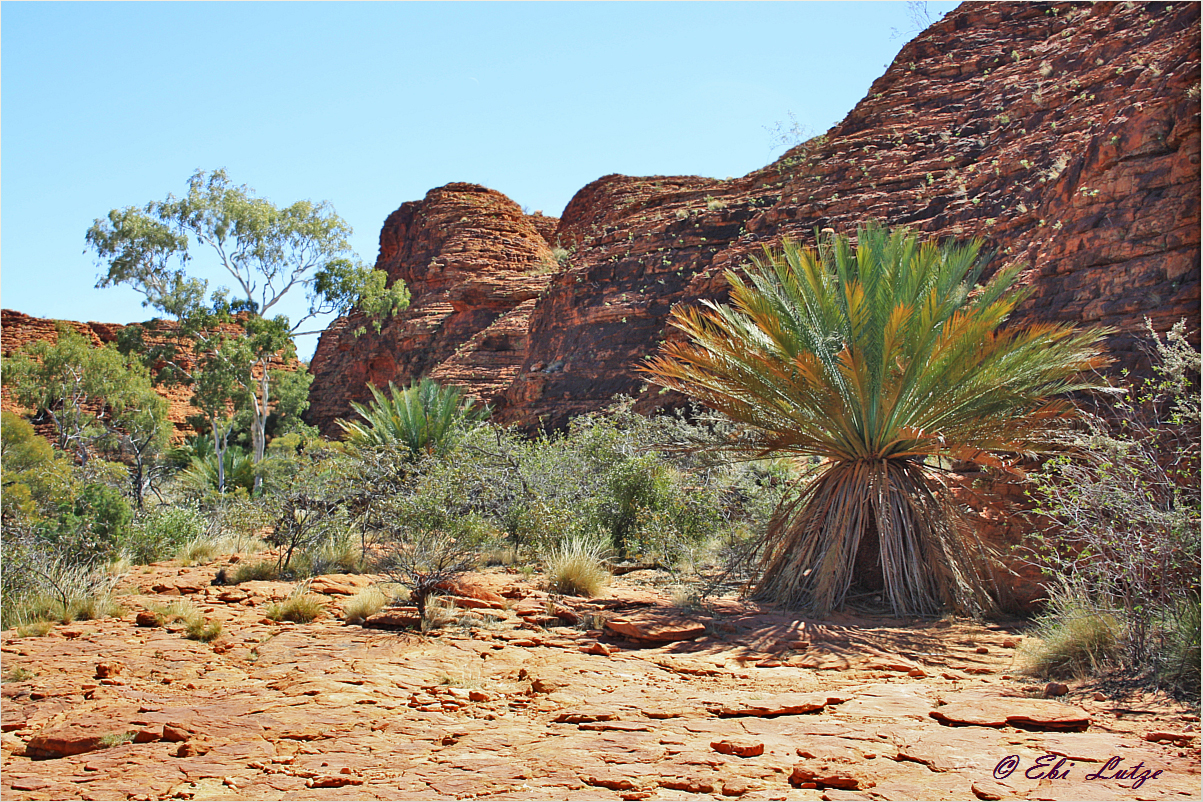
158, 532
1125, 502
575, 568
198, 550
299, 608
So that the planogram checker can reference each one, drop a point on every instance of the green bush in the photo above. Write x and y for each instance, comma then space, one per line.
1125, 501
159, 532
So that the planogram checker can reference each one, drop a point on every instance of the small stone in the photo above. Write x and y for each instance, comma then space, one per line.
146, 618
917, 673
1099, 696
546, 685
175, 733
599, 648
1055, 689
145, 736
987, 789
479, 696
739, 748
1010, 643
737, 786
982, 650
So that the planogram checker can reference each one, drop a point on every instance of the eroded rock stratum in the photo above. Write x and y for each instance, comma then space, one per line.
1066, 135
510, 701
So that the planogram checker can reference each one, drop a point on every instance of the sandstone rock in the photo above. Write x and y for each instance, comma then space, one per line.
582, 716
65, 741
1055, 689
738, 747
784, 704
982, 711
825, 775
108, 669
332, 781
175, 733
656, 628
964, 749
988, 789
394, 618
1178, 738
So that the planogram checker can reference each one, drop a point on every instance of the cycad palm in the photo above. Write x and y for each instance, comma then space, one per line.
420, 418
879, 360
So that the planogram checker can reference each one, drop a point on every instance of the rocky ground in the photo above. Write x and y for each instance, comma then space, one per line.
524, 696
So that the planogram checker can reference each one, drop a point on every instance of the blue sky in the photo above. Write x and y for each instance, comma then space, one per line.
369, 105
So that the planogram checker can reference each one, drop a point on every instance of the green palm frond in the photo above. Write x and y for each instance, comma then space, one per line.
421, 418
878, 359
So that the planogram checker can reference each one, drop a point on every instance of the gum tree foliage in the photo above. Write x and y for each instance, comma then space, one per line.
874, 362
269, 252
100, 401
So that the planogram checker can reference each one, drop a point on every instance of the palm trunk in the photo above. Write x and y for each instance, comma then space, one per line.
815, 543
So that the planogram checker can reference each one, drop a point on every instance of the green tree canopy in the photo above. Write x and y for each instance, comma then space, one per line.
877, 361
269, 252
99, 400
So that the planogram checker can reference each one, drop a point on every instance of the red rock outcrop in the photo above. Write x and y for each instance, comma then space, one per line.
474, 264
18, 329
1066, 135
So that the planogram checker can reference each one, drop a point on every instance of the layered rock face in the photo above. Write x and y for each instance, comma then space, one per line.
475, 265
1065, 135
18, 330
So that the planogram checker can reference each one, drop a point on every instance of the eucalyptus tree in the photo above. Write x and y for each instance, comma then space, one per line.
269, 252
877, 364
97, 399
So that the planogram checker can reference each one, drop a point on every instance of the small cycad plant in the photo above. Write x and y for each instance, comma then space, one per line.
421, 418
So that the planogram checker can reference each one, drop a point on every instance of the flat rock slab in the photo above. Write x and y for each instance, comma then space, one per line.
945, 749
887, 700
1091, 747
782, 704
657, 628
1038, 714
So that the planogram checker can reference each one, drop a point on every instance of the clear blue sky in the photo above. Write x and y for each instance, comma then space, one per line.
369, 105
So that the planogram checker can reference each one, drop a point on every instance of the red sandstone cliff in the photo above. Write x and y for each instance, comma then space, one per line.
1067, 135
18, 329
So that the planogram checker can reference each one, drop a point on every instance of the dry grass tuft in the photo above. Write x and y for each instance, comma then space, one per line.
299, 608
1073, 638
575, 568
363, 605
